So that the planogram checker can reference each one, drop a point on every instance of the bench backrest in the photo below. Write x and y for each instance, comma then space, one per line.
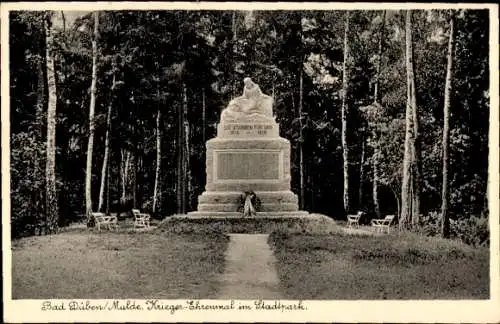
98, 216
389, 219
136, 212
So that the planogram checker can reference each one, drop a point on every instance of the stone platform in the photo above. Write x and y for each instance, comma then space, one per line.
233, 222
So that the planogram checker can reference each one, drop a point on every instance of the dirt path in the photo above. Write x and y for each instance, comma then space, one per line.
250, 269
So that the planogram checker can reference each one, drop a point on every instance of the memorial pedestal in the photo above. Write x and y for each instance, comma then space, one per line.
248, 156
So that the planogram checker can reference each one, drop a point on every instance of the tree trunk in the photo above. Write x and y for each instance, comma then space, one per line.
376, 99
445, 223
185, 168
376, 153
88, 172
345, 108
107, 190
234, 51
156, 192
416, 152
134, 162
361, 175
50, 164
106, 148
125, 168
396, 195
406, 190
38, 196
180, 150
40, 100
301, 142
379, 59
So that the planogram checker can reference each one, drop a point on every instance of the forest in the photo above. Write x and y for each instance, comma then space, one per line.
387, 111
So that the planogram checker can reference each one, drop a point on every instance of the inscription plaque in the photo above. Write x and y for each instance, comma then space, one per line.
247, 165
247, 130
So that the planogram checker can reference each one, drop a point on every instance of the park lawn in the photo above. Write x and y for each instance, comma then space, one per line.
117, 265
392, 266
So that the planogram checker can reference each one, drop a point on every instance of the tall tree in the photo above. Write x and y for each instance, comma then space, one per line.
50, 174
157, 189
90, 147
410, 196
185, 163
345, 112
376, 99
445, 225
301, 138
106, 146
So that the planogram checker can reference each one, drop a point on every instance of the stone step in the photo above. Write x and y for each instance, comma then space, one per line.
235, 207
259, 215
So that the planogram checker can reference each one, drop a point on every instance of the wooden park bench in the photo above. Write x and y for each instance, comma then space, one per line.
383, 224
111, 222
141, 220
353, 220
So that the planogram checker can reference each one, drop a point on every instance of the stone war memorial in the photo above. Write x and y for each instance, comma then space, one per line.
248, 158
248, 155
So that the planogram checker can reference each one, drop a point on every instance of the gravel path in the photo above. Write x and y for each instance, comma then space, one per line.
250, 269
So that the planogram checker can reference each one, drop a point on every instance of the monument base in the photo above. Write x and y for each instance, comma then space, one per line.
229, 201
263, 223
259, 215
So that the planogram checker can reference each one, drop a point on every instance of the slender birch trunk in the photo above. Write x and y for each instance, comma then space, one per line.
125, 171
345, 112
376, 99
376, 93
445, 222
50, 164
185, 164
88, 172
376, 180
361, 175
40, 99
180, 157
134, 164
156, 192
234, 50
107, 190
106, 148
301, 142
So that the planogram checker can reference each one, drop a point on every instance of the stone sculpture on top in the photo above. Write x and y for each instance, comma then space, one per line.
253, 105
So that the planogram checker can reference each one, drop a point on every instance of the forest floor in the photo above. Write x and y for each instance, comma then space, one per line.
390, 266
136, 265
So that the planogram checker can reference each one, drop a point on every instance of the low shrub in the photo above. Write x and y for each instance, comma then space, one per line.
473, 230
314, 223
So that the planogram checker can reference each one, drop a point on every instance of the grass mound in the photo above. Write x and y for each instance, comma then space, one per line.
394, 266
